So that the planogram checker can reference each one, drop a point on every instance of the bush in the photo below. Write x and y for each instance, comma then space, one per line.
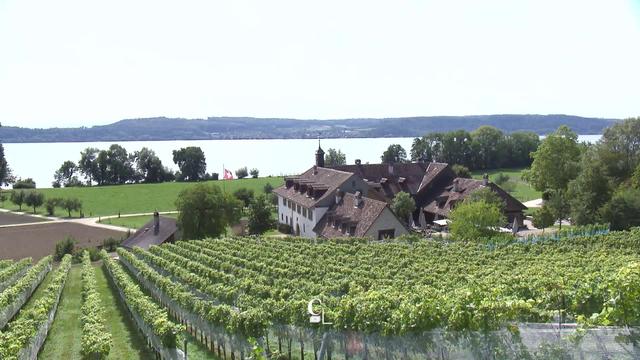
18, 197
215, 176
245, 195
254, 173
34, 199
501, 179
51, 204
110, 244
461, 171
268, 188
27, 183
64, 247
284, 228
71, 204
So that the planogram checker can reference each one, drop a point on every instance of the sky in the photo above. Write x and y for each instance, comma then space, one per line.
83, 63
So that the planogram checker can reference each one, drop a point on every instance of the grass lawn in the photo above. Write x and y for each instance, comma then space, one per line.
137, 198
522, 191
133, 222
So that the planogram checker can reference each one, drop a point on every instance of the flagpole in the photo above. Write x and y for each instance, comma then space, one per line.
224, 188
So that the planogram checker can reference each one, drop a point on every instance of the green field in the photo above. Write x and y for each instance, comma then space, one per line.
137, 198
133, 222
522, 190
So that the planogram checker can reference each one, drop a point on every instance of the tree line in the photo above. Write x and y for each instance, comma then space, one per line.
589, 183
115, 166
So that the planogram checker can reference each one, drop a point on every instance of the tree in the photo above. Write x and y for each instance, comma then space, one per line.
119, 165
461, 171
204, 211
88, 164
488, 147
64, 247
619, 148
474, 220
268, 188
50, 205
558, 204
191, 162
71, 204
403, 206
149, 166
489, 196
102, 164
519, 146
27, 183
394, 154
242, 173
334, 157
623, 210
245, 195
6, 177
635, 179
254, 173
555, 163
543, 218
260, 218
34, 199
3, 196
589, 191
17, 197
66, 173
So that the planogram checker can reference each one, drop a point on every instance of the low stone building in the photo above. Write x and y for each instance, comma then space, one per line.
157, 231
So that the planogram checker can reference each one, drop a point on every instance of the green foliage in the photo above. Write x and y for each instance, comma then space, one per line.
558, 204
88, 164
34, 199
475, 220
543, 218
621, 305
589, 191
51, 204
96, 340
260, 218
334, 157
191, 162
65, 175
487, 146
9, 271
501, 179
403, 206
63, 248
254, 173
268, 188
13, 293
18, 197
395, 153
555, 163
153, 315
206, 211
461, 171
245, 195
110, 244
71, 204
635, 179
27, 183
619, 148
623, 210
22, 330
6, 177
242, 173
488, 196
150, 168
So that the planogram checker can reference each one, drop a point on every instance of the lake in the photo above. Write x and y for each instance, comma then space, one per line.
272, 157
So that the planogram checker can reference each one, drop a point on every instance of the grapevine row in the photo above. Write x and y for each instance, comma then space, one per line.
96, 340
9, 273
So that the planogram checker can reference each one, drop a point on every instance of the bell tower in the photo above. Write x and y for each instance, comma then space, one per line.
319, 155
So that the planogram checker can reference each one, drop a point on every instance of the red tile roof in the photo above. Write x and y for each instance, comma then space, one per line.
346, 212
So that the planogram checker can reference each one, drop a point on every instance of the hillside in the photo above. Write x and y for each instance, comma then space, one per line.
275, 128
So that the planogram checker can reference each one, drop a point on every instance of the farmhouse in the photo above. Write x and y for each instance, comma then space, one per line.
157, 231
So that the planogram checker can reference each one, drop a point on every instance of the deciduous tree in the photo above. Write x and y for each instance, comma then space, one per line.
260, 218
191, 162
34, 199
475, 220
543, 218
403, 206
242, 173
334, 157
17, 197
394, 154
205, 211
88, 164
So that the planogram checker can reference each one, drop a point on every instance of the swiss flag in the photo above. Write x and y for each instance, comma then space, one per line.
228, 175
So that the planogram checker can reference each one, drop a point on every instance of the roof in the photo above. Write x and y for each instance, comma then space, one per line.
389, 179
145, 236
346, 212
312, 186
441, 202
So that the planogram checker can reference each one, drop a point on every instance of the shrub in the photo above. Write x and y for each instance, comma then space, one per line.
34, 199
17, 197
215, 176
284, 228
268, 188
110, 244
501, 179
51, 204
254, 173
64, 247
461, 171
245, 195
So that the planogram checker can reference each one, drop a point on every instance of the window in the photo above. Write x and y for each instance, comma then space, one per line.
304, 228
352, 230
281, 216
386, 234
343, 228
284, 202
353, 184
298, 209
310, 214
287, 221
304, 212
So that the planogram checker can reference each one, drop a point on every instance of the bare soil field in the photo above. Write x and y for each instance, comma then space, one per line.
10, 219
38, 241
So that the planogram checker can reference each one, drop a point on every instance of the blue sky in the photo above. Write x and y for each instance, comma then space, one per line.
78, 62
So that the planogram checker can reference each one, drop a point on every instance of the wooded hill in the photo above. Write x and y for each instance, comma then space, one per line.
162, 128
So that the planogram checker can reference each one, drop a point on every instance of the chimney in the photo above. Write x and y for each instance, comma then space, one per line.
338, 196
358, 201
358, 162
456, 187
485, 179
156, 223
315, 169
391, 169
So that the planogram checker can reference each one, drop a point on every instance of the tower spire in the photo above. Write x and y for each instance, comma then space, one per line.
319, 155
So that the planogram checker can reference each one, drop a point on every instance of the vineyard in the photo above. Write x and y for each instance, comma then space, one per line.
239, 298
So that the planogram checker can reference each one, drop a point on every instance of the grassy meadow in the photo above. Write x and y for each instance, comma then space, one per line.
133, 222
521, 189
136, 198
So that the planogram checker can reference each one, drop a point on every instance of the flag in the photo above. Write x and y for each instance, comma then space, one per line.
228, 175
